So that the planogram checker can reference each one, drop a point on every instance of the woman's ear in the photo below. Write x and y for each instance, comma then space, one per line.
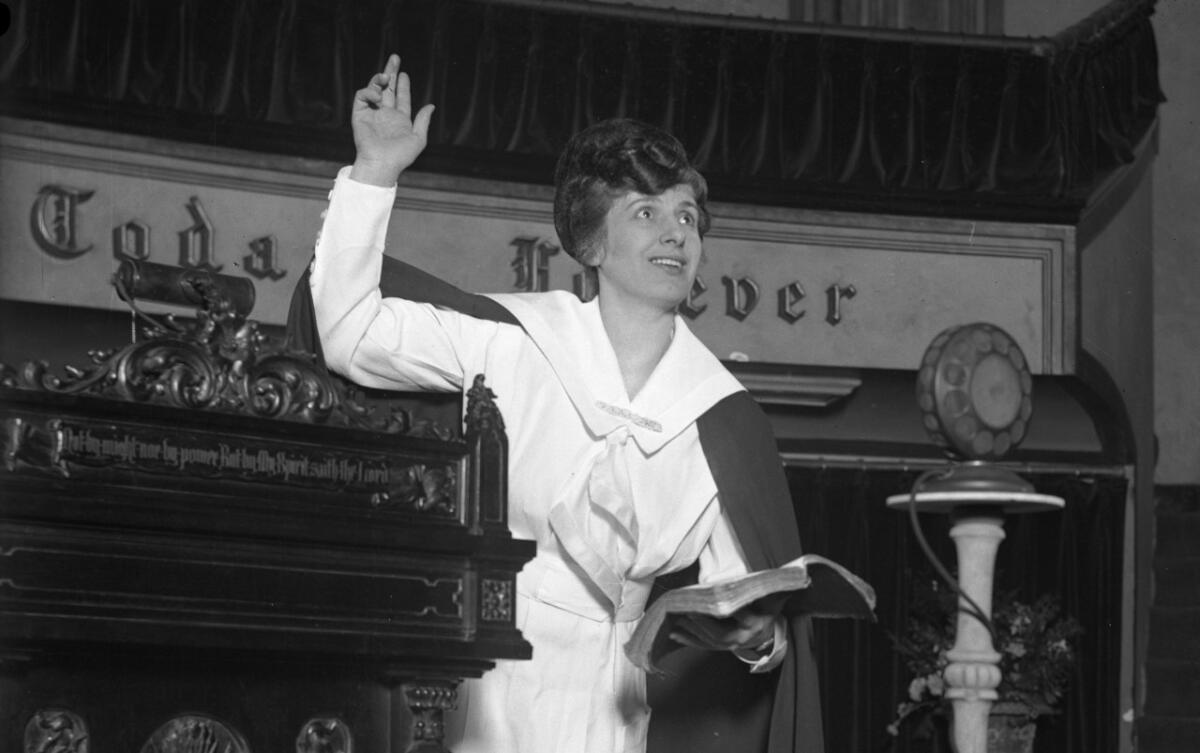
593, 255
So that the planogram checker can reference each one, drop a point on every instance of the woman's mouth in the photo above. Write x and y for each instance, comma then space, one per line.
675, 265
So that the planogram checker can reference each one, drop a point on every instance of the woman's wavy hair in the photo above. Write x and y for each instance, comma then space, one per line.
606, 160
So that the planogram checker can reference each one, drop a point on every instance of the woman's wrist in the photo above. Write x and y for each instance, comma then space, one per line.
374, 173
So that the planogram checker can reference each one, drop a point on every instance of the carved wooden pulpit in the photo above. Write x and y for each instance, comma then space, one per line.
208, 544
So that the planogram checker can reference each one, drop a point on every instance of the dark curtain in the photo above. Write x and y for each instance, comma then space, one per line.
772, 116
1076, 554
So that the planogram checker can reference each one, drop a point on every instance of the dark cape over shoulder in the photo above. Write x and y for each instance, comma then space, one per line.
709, 702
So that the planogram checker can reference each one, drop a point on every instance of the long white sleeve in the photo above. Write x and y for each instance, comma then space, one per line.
377, 342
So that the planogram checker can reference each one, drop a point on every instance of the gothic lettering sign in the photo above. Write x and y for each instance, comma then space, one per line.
53, 220
81, 448
261, 263
214, 456
131, 241
776, 286
196, 242
532, 263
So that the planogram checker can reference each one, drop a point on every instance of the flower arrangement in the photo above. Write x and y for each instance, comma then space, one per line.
1036, 643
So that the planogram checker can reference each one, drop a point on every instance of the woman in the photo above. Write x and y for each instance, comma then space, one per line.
601, 401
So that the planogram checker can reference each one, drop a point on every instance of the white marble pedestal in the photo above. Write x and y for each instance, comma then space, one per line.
977, 496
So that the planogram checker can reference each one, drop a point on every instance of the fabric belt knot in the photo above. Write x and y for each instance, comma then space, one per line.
554, 584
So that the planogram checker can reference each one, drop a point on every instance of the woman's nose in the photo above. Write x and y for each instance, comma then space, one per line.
672, 232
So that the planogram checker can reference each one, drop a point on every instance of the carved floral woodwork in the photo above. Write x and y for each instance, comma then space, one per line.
428, 701
224, 363
195, 733
498, 604
209, 493
220, 362
62, 731
421, 488
56, 731
325, 735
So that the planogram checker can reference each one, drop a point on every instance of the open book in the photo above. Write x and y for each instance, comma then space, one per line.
809, 585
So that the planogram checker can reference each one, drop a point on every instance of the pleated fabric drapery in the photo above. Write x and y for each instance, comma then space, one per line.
771, 115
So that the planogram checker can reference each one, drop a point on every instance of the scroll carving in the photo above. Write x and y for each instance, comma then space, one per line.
56, 731
192, 733
325, 735
220, 362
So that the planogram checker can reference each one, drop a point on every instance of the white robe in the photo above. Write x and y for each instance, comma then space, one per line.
614, 491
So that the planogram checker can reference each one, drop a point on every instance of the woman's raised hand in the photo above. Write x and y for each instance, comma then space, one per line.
386, 135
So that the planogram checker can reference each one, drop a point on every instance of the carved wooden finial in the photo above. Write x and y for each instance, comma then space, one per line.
482, 414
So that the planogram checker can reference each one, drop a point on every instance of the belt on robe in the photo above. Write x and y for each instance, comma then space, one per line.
556, 584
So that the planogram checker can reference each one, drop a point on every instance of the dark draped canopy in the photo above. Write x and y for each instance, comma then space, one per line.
781, 114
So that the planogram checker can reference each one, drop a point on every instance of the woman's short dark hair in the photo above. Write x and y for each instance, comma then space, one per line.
607, 160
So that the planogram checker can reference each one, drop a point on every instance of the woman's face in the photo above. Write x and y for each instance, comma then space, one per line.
650, 251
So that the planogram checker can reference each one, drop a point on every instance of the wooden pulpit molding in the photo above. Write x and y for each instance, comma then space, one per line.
204, 537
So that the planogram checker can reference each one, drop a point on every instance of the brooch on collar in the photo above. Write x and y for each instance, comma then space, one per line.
630, 416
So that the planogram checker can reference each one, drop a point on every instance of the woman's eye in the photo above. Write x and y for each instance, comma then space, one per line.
644, 213
687, 219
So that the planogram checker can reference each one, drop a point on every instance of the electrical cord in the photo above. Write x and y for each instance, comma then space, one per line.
136, 313
971, 607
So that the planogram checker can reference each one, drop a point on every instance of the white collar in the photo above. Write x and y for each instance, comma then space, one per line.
686, 382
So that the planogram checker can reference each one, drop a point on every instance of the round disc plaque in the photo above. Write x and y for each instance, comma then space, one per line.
974, 390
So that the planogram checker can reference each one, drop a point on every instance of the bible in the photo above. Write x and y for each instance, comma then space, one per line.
809, 585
